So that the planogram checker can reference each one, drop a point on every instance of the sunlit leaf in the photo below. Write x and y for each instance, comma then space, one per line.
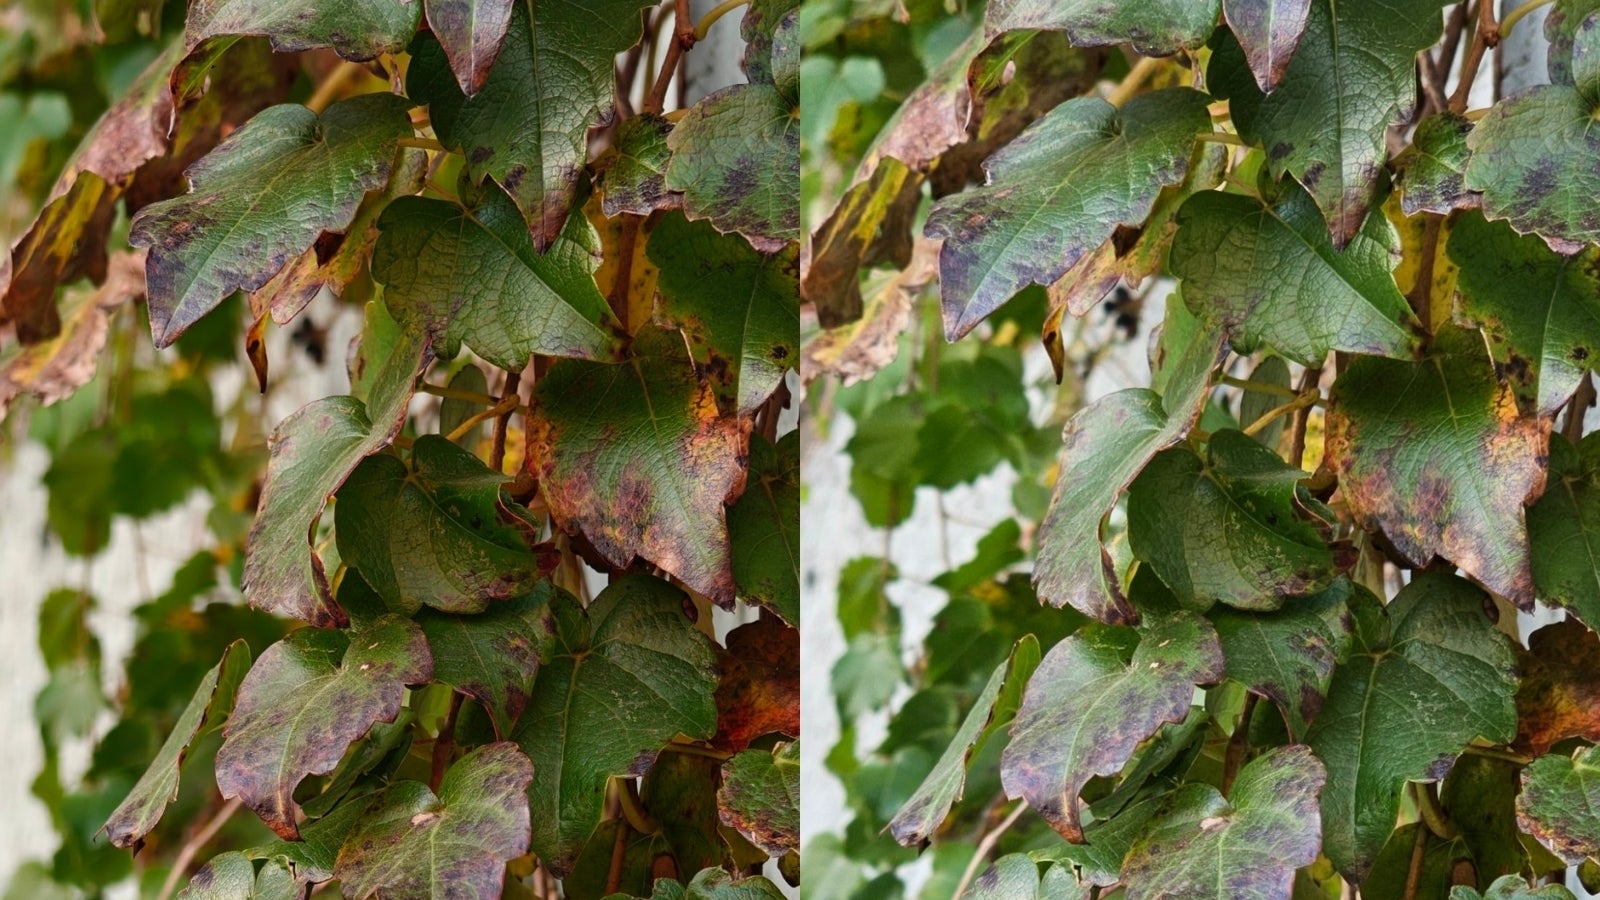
1155, 28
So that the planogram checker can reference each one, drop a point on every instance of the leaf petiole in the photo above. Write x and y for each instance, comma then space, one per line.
703, 27
1516, 15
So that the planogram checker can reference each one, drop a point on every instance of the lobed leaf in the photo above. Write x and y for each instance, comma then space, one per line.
1562, 527
493, 656
1512, 887
471, 33
764, 528
232, 876
355, 29
1155, 28
1269, 31
759, 690
1432, 172
1560, 804
1288, 655
760, 797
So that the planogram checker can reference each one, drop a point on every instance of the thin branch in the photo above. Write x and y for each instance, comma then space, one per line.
1485, 36
497, 447
1302, 417
1515, 16
703, 27
1578, 409
444, 744
619, 852
1422, 292
985, 846
1432, 81
421, 143
503, 407
1414, 871
1261, 387
1135, 78
1309, 398
340, 79
439, 390
193, 845
683, 31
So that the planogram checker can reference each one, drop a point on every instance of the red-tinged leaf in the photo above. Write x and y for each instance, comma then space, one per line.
1560, 804
355, 29
413, 845
646, 473
471, 33
1269, 31
306, 700
1559, 697
759, 693
760, 797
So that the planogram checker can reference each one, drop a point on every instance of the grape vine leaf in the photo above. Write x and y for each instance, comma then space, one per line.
232, 876
760, 797
262, 196
1563, 525
413, 844
474, 275
717, 884
471, 33
306, 700
1106, 444
1273, 276
1561, 25
1156, 28
1227, 528
1432, 640
871, 224
312, 452
355, 29
1288, 655
313, 856
1540, 310
1560, 804
995, 707
527, 128
1269, 31
1094, 698
1432, 172
431, 533
1351, 77
736, 153
1534, 152
1245, 846
1015, 876
764, 528
632, 174
616, 681
1435, 454
158, 786
738, 307
1512, 887
1559, 697
759, 691
491, 657
647, 473
1057, 192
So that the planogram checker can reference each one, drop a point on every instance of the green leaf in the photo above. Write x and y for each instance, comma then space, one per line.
646, 473
1560, 804
1539, 309
1432, 172
925, 811
1245, 846
1288, 655
1479, 797
491, 657
717, 884
1155, 28
760, 797
314, 854
1106, 444
1016, 877
1562, 527
736, 153
355, 29
632, 175
232, 876
1056, 193
1533, 152
1273, 277
306, 700
740, 309
262, 196
1435, 454
313, 451
1093, 699
1269, 31
866, 675
473, 275
412, 844
764, 528
528, 127
616, 681
1227, 528
471, 33
453, 411
212, 702
431, 532
1512, 887
680, 791
1352, 76
1559, 696
1432, 641
1561, 25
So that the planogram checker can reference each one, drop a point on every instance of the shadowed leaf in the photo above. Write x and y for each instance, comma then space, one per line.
527, 127
1432, 172
1564, 524
760, 797
491, 657
355, 29
616, 681
871, 224
1512, 887
1274, 278
305, 701
232, 876
1269, 31
1057, 192
646, 473
412, 845
1540, 310
1432, 640
208, 708
474, 276
1094, 698
261, 197
632, 174
1288, 655
1155, 28
471, 32
717, 884
1560, 804
1436, 455
764, 528
1559, 697
759, 691
1015, 876
1245, 847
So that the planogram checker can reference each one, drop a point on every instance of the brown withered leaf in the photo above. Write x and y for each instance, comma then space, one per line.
759, 693
871, 224
646, 473
54, 368
1559, 697
860, 349
66, 242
